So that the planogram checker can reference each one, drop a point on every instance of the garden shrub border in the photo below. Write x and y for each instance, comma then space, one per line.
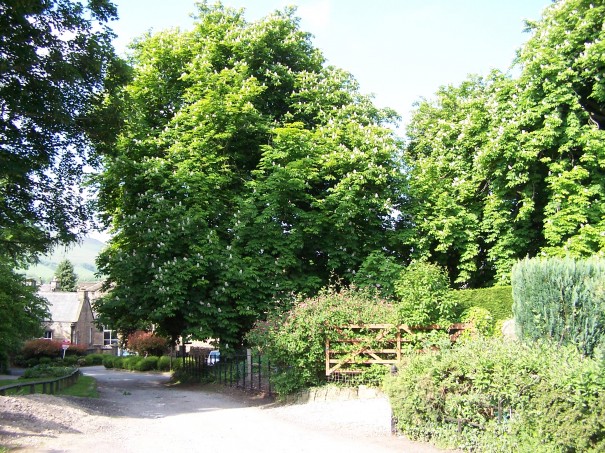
495, 395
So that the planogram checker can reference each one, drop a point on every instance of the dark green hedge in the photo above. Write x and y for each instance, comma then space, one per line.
498, 300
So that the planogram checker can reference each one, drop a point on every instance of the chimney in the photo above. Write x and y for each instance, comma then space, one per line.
55, 285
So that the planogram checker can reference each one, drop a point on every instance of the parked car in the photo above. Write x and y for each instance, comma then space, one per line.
213, 357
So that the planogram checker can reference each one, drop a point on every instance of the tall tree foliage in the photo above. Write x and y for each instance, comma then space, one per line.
21, 311
517, 164
247, 170
54, 58
448, 193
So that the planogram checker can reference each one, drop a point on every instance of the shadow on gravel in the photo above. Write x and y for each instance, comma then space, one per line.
26, 425
154, 395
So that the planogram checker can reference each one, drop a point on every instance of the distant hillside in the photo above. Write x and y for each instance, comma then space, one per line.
81, 255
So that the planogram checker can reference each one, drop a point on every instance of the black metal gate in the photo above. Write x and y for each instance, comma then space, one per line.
248, 370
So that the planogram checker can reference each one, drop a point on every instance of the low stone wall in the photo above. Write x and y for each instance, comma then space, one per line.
333, 393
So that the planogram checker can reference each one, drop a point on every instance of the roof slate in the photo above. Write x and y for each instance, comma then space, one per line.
63, 307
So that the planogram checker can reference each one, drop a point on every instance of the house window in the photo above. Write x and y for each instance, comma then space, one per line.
110, 337
48, 334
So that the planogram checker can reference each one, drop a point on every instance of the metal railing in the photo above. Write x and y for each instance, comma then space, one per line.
49, 386
247, 370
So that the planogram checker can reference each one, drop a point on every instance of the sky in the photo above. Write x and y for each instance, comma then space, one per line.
400, 51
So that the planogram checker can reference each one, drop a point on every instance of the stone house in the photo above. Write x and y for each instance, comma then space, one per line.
72, 317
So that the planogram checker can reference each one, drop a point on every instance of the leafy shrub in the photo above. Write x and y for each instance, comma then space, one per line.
164, 363
424, 296
47, 371
147, 364
94, 359
69, 360
109, 360
76, 349
498, 326
498, 300
481, 319
295, 340
130, 362
120, 363
33, 362
560, 299
147, 343
41, 348
379, 272
506, 396
373, 375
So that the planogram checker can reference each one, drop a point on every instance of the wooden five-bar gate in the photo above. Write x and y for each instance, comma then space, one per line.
374, 344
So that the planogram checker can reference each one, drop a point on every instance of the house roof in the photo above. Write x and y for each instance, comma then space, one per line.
90, 286
63, 307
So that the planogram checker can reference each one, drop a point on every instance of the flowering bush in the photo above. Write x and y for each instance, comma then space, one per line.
294, 340
147, 343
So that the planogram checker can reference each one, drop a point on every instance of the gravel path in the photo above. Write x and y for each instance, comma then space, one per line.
141, 412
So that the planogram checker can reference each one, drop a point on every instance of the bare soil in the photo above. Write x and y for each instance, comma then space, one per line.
142, 412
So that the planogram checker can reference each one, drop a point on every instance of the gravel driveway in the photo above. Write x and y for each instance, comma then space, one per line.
141, 412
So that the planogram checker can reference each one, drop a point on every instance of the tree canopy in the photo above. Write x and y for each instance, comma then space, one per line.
247, 170
54, 58
56, 61
21, 311
502, 167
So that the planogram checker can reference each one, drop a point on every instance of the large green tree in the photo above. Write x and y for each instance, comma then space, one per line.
509, 167
247, 170
55, 56
447, 192
21, 312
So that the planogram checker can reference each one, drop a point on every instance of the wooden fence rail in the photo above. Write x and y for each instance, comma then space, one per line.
49, 386
381, 344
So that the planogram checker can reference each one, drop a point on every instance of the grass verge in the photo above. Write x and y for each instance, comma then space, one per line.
85, 387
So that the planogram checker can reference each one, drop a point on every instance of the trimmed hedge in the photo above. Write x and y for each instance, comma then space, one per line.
490, 395
94, 359
497, 300
139, 363
147, 364
164, 363
47, 371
